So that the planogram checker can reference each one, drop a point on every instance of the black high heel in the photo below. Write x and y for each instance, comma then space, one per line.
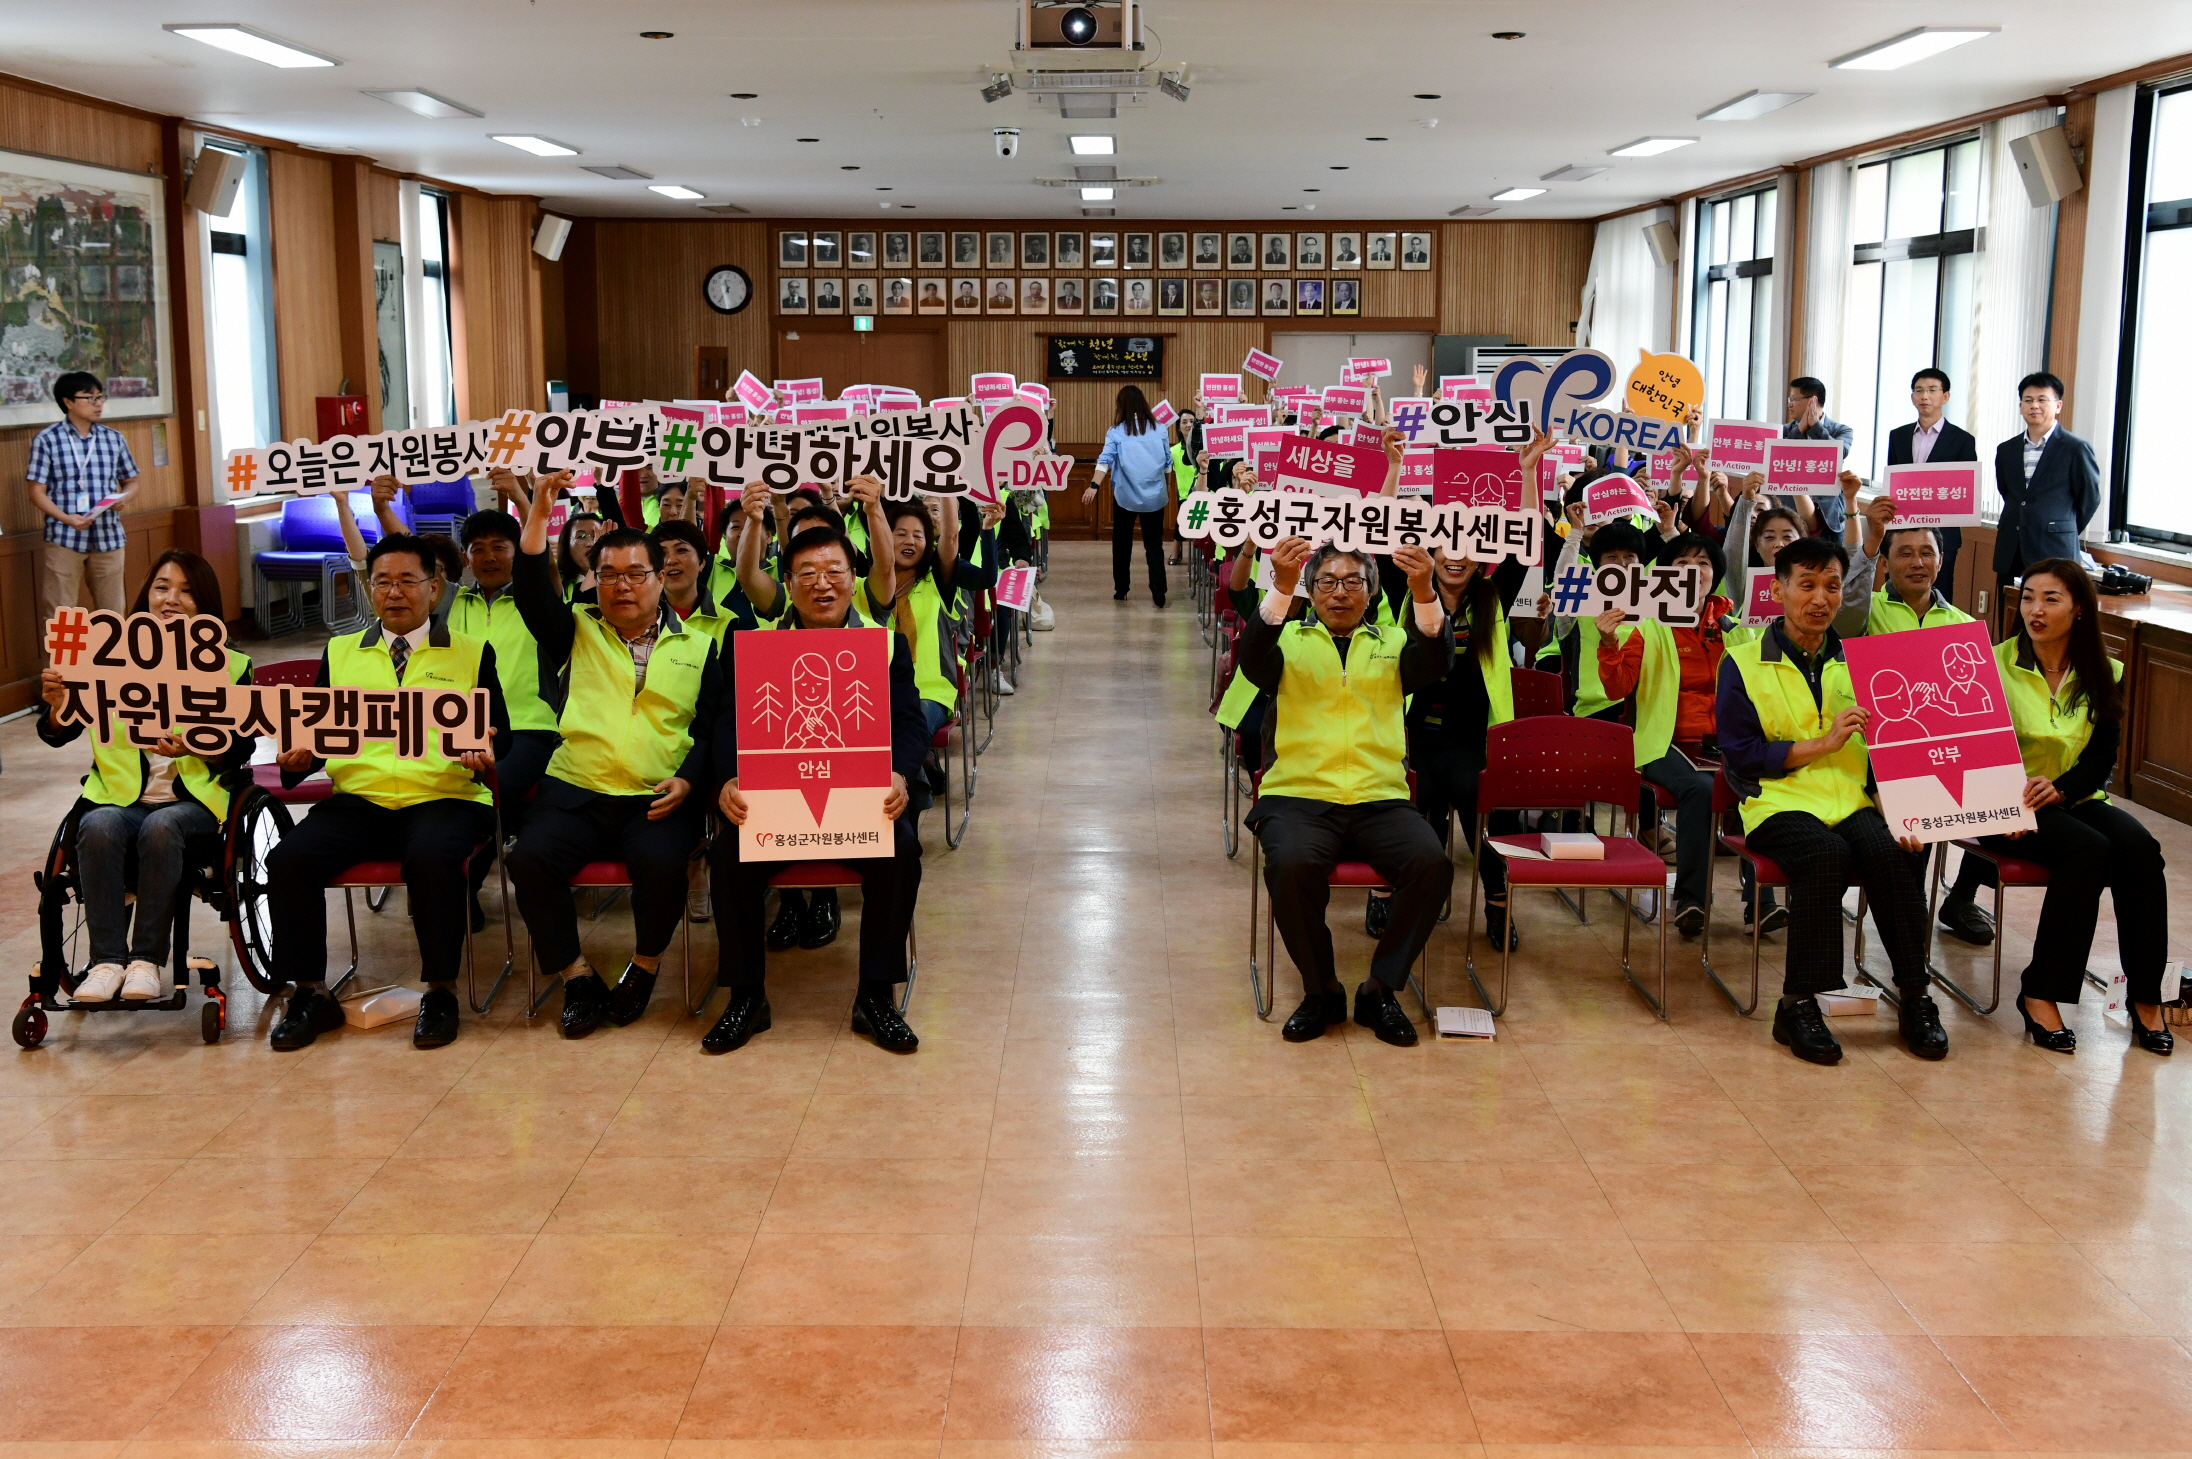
2154, 1040
2055, 1040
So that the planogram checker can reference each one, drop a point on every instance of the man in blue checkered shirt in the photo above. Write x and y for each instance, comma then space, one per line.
75, 464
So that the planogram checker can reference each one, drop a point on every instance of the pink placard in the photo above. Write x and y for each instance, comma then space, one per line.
1012, 440
1163, 413
1349, 375
1478, 476
754, 395
942, 402
1346, 399
1939, 737
1219, 389
1935, 495
993, 386
1223, 442
1810, 467
1331, 468
1411, 415
1464, 387
1263, 449
814, 743
1763, 607
1366, 434
728, 413
1241, 415
827, 410
802, 392
1370, 367
1659, 468
1034, 394
1016, 588
1613, 496
1739, 446
1418, 471
1263, 366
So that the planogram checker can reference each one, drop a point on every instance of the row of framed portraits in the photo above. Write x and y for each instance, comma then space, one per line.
1240, 252
1001, 294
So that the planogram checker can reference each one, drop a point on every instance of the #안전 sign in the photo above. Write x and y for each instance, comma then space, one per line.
814, 743
1942, 744
1106, 357
1674, 596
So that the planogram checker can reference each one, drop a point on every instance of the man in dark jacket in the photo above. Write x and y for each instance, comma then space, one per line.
1933, 438
2049, 481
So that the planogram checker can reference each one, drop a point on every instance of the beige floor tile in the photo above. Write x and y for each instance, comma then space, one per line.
1549, 1285
1922, 1203
474, 1197
1293, 1198
620, 1281
1771, 1286
918, 1281
1080, 1195
2004, 1289
1712, 1202
643, 1194
1890, 1131
855, 1197
1518, 1201
67, 1196
1312, 1281
1082, 1281
151, 1279
364, 1280
1137, 1126
1678, 1131
866, 1126
239, 1197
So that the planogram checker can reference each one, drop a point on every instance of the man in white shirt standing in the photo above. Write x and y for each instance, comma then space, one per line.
75, 464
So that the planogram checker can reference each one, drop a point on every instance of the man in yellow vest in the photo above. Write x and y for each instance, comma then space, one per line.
431, 814
638, 688
1792, 737
1336, 789
818, 579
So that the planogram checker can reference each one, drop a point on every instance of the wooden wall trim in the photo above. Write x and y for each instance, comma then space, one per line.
2067, 285
2151, 71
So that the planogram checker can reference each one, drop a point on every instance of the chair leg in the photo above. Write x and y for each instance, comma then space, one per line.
913, 967
350, 916
1704, 956
1469, 940
509, 937
1261, 984
685, 978
1956, 990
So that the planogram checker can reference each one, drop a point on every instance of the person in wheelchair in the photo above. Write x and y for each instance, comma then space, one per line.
431, 814
638, 694
146, 802
818, 576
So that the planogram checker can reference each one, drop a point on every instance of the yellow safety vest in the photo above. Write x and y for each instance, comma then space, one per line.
517, 656
1831, 787
448, 660
1340, 736
118, 768
617, 741
2050, 735
1890, 614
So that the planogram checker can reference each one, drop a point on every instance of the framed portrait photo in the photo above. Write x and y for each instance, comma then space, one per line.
1309, 296
1172, 250
1137, 251
1000, 250
1347, 250
966, 296
1278, 297
1035, 250
1103, 296
859, 250
1035, 295
1103, 250
1415, 252
966, 250
1172, 298
1240, 298
1378, 250
826, 249
1209, 298
898, 250
928, 297
897, 296
1278, 251
1210, 250
1138, 297
862, 299
1069, 251
1309, 250
1240, 250
829, 295
1346, 299
929, 251
791, 292
1003, 299
791, 250
1067, 297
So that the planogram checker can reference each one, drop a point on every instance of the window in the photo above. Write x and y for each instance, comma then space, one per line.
1732, 319
240, 315
435, 389
2147, 494
1914, 221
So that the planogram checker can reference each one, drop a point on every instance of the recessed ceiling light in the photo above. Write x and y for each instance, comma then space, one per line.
882, 189
1312, 189
1508, 35
1649, 146
849, 167
538, 146
1288, 208
672, 190
425, 103
806, 139
1098, 194
1339, 167
1428, 96
656, 35
745, 96
1093, 146
1572, 173
1912, 45
257, 45
1516, 194
1377, 139
1751, 105
620, 173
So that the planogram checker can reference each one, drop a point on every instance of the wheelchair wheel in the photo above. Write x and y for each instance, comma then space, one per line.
30, 1025
60, 931
256, 825
210, 1021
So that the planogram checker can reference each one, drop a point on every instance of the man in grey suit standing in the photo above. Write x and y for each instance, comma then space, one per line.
2049, 481
1806, 404
1932, 438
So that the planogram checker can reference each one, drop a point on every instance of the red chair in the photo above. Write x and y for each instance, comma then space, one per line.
1765, 873
2010, 870
1538, 693
824, 875
1566, 764
613, 875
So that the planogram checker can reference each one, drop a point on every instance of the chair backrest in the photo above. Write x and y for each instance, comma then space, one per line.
442, 498
1538, 693
297, 673
309, 523
1560, 762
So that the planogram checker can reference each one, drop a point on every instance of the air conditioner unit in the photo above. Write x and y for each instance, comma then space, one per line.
1080, 25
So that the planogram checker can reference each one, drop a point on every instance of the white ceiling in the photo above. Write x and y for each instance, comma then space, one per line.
1283, 92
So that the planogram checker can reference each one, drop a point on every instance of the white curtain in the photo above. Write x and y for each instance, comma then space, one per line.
2016, 266
1826, 278
1628, 300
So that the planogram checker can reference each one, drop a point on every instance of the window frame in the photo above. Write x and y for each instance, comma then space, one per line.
1705, 350
214, 240
2139, 227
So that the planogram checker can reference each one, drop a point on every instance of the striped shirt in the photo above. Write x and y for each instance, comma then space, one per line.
79, 472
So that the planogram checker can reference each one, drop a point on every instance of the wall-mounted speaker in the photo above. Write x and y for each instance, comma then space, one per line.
214, 181
2045, 163
1664, 242
549, 237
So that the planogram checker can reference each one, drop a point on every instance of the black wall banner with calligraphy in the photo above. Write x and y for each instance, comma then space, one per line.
1106, 356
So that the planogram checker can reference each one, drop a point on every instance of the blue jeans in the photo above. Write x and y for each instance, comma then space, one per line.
104, 837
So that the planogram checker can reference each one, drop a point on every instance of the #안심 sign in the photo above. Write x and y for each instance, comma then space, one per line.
1106, 357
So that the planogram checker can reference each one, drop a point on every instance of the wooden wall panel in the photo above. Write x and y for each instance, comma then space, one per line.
498, 278
384, 206
1523, 280
307, 307
1086, 407
648, 313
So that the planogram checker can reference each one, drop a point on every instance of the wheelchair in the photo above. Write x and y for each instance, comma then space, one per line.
227, 871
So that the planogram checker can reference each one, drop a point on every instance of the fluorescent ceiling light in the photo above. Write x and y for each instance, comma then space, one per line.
1649, 146
538, 146
1473, 210
1097, 194
1516, 194
257, 45
1912, 45
1751, 105
1573, 173
673, 190
1093, 146
425, 103
619, 173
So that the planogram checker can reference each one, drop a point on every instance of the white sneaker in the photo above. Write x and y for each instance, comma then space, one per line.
1004, 685
141, 982
100, 984
696, 905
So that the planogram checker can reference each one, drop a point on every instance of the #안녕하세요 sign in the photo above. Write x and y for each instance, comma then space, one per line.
814, 743
1939, 734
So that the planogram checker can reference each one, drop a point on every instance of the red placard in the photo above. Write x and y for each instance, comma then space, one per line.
1330, 467
814, 743
1942, 746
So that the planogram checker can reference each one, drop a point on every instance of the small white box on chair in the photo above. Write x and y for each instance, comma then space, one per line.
1573, 846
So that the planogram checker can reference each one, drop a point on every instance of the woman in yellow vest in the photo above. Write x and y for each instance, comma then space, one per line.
575, 555
2065, 698
928, 574
145, 801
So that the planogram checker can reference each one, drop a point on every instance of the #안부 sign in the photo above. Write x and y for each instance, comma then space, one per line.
1105, 357
814, 743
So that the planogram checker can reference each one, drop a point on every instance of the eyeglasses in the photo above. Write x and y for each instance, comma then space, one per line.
399, 585
635, 578
1340, 585
91, 397
813, 576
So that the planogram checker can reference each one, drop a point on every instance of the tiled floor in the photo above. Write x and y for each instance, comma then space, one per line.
1104, 1211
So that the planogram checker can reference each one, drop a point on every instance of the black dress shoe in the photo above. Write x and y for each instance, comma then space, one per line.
1159, 599
1919, 1022
628, 999
1379, 1011
876, 1016
747, 1015
1689, 920
437, 1023
1799, 1023
1318, 1012
2153, 1040
1118, 597
1963, 918
1377, 916
1497, 925
311, 1012
583, 1000
938, 778
2054, 1040
822, 921
791, 915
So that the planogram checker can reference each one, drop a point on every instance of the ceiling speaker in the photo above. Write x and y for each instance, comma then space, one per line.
214, 181
549, 237
1665, 245
2044, 161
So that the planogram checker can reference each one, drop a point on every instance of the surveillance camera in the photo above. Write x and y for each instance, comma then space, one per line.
1008, 141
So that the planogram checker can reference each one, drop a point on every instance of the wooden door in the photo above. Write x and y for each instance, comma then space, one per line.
913, 358
711, 372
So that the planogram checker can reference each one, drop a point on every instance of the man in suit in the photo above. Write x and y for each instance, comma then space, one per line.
1933, 438
1806, 404
2049, 481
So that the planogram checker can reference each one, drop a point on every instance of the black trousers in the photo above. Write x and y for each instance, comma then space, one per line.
1304, 839
889, 887
2087, 847
524, 761
1822, 861
1122, 548
432, 839
569, 827
1446, 783
1693, 827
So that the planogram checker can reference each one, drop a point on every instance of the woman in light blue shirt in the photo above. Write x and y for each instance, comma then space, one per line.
1137, 463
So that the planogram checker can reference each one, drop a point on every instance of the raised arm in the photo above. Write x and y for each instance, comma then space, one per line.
353, 540
882, 564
